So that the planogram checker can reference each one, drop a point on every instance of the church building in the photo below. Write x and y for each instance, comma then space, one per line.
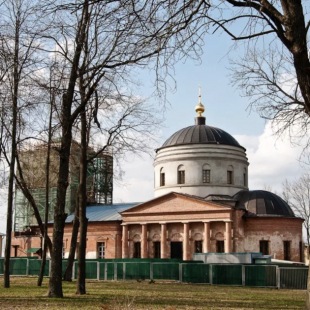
201, 204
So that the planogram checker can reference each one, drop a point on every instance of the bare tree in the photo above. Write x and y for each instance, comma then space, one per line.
274, 71
107, 39
297, 194
21, 103
17, 59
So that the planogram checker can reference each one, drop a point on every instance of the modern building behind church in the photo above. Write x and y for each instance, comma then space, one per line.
202, 204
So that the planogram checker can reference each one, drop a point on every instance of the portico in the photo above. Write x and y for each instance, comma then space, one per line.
203, 230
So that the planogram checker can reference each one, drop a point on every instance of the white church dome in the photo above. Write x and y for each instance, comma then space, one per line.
201, 160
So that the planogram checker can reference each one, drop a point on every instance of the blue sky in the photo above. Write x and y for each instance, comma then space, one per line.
272, 159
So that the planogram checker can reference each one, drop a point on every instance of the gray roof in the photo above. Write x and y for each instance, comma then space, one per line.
201, 134
102, 213
262, 203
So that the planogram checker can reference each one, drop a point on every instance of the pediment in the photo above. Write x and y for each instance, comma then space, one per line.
176, 203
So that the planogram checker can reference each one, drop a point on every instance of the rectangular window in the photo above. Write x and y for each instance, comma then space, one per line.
206, 176
162, 179
137, 250
220, 246
230, 177
156, 249
244, 180
181, 177
100, 249
198, 246
287, 250
264, 247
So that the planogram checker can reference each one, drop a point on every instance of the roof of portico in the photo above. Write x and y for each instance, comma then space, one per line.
177, 207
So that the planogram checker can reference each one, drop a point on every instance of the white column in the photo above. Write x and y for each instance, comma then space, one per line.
163, 240
228, 237
206, 238
186, 253
125, 241
144, 241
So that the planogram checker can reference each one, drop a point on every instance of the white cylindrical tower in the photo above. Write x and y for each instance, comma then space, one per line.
201, 160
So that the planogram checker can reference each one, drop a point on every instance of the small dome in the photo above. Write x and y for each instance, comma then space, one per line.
201, 134
262, 203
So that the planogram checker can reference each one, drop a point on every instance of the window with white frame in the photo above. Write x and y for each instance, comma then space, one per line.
206, 174
181, 174
230, 175
100, 249
162, 177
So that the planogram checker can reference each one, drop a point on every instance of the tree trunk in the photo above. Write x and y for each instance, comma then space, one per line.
75, 230
296, 33
47, 187
15, 87
55, 283
81, 287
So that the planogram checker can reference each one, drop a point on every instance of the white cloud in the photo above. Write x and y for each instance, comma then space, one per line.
272, 159
137, 184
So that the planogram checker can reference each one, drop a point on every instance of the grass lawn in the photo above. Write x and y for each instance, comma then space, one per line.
24, 294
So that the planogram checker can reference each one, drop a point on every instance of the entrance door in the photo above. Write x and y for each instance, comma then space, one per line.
176, 250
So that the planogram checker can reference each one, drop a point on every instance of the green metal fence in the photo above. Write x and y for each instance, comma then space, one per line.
19, 266
165, 271
226, 274
260, 275
293, 277
35, 266
196, 273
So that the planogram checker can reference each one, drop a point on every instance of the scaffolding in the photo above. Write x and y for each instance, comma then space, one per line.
100, 179
33, 163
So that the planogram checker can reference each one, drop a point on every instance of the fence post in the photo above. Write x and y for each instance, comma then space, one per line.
151, 271
210, 274
180, 272
73, 271
115, 271
243, 275
27, 267
124, 271
98, 271
49, 267
278, 277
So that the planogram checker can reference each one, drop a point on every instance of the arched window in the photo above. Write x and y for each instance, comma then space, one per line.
230, 175
181, 174
206, 174
162, 179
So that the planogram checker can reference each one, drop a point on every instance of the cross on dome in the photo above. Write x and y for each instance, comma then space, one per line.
199, 107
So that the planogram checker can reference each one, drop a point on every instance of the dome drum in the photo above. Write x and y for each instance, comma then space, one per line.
206, 170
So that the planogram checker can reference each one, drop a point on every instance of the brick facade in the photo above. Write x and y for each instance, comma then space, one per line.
176, 226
